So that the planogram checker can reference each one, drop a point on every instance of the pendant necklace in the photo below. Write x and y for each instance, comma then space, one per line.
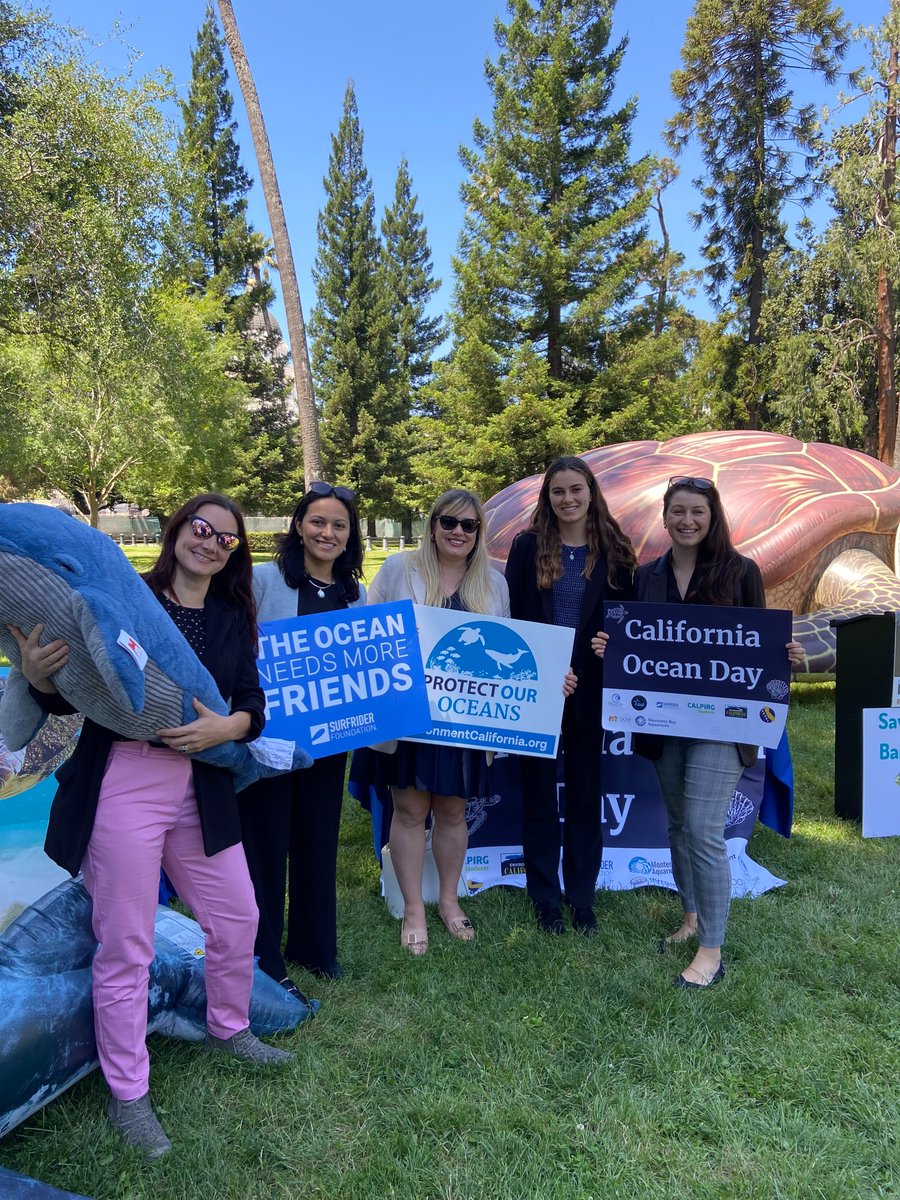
321, 588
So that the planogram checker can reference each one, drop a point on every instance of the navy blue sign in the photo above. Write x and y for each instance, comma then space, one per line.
343, 679
697, 670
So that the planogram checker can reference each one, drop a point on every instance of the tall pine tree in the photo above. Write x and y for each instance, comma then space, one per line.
212, 240
735, 97
416, 335
410, 286
363, 411
551, 246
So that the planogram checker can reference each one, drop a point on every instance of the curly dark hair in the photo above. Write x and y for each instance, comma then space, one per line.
347, 566
232, 583
719, 566
603, 532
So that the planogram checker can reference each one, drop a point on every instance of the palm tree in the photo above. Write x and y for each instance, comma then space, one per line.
296, 327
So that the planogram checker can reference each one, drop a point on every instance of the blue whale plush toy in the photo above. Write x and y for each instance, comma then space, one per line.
129, 667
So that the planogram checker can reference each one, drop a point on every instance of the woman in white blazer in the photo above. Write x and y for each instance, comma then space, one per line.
449, 570
290, 823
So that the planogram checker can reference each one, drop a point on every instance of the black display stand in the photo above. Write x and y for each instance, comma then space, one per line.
864, 678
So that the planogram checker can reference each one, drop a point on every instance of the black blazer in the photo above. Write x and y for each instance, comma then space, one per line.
230, 658
528, 602
651, 583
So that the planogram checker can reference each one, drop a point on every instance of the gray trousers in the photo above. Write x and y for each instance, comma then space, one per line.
697, 780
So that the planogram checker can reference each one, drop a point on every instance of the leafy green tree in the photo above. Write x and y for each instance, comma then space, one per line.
363, 411
110, 385
735, 96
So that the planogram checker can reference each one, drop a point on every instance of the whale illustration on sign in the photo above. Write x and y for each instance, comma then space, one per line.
483, 650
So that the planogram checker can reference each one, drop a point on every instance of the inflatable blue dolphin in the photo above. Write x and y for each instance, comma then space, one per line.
129, 668
46, 1016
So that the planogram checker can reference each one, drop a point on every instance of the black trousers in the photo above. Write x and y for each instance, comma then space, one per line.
289, 826
581, 837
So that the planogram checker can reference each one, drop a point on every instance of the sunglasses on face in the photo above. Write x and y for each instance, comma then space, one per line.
702, 485
320, 488
203, 531
466, 524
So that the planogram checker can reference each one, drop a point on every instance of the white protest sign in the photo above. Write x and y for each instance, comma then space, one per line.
881, 772
493, 683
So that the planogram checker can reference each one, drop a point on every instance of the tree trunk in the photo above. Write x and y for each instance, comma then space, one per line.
884, 318
296, 327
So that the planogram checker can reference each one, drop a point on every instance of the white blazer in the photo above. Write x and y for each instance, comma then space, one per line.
398, 579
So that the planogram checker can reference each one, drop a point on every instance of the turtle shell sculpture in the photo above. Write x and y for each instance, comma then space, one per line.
821, 521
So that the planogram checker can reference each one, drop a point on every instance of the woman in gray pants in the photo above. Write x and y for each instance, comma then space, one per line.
697, 778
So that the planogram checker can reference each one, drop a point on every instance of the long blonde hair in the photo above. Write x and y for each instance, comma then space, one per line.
475, 589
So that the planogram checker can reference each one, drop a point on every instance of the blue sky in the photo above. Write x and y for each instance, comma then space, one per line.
418, 70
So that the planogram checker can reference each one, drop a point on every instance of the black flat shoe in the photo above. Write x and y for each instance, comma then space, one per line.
549, 918
584, 921
335, 971
292, 990
681, 982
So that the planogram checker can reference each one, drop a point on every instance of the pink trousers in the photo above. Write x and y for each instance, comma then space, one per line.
146, 818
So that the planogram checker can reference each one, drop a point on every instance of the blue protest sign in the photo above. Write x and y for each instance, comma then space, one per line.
493, 683
343, 679
697, 670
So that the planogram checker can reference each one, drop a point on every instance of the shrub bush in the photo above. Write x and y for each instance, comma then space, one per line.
262, 543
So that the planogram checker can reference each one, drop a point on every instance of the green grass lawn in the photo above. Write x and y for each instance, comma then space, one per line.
522, 1066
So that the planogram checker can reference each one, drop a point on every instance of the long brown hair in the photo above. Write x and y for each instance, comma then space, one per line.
604, 536
232, 583
719, 566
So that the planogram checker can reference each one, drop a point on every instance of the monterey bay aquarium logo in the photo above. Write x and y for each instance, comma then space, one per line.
482, 669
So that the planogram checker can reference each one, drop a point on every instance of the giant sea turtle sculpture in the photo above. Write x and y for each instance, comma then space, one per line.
821, 521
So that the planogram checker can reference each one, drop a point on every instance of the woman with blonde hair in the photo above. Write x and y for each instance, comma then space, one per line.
449, 570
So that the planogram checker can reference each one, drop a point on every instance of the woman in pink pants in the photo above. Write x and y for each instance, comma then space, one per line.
124, 808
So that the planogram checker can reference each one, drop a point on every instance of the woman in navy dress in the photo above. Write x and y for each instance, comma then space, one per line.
449, 570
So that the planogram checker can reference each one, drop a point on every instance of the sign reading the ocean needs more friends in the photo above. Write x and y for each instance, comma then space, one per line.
702, 671
493, 683
343, 679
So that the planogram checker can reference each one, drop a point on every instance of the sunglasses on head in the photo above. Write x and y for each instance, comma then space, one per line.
694, 481
466, 524
204, 531
321, 488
